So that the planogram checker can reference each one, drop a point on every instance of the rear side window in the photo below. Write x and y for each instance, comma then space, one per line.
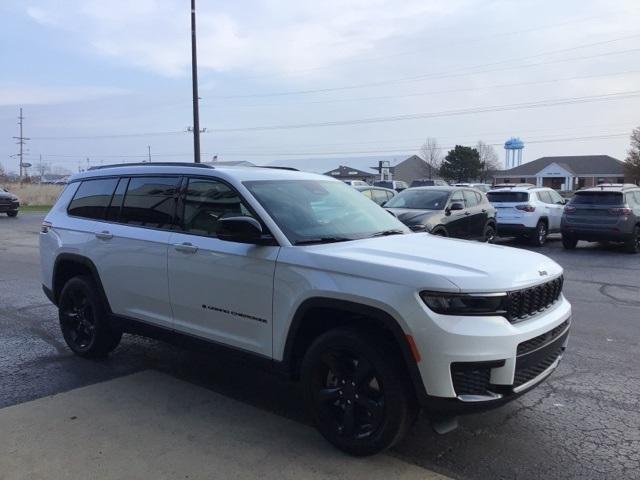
508, 197
637, 195
113, 211
366, 193
92, 198
597, 198
379, 196
545, 197
150, 201
471, 198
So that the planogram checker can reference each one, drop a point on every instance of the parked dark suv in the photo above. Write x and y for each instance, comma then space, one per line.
446, 211
9, 203
608, 212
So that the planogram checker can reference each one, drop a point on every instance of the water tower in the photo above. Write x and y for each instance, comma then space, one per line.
513, 152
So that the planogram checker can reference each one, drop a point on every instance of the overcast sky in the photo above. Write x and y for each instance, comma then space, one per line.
284, 79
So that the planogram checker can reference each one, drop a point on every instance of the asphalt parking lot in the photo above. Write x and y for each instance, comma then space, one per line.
584, 422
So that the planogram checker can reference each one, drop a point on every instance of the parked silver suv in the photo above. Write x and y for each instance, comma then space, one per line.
608, 212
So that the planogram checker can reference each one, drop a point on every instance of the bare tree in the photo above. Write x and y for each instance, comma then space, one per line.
632, 162
489, 160
431, 153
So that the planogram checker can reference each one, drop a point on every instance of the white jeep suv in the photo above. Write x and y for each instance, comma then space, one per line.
306, 274
527, 211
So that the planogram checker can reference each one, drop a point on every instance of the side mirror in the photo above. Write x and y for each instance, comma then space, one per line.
456, 206
239, 229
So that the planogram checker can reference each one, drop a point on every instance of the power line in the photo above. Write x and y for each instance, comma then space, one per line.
437, 92
391, 149
446, 113
114, 135
454, 72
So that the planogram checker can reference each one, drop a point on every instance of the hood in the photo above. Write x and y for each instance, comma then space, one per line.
410, 216
8, 195
426, 261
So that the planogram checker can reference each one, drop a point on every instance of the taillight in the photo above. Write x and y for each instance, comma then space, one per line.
569, 209
620, 212
45, 227
526, 208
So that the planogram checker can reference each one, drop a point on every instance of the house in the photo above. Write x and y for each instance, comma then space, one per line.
566, 173
344, 172
412, 168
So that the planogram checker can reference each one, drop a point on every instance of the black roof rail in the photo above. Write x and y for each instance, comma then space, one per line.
154, 164
278, 168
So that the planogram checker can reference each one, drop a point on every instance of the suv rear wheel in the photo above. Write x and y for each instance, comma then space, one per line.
540, 235
569, 242
633, 244
83, 319
12, 214
356, 392
489, 233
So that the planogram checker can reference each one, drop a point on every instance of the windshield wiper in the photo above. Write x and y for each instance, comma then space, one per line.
385, 233
311, 241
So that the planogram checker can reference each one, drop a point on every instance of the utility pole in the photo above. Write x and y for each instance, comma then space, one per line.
21, 142
194, 78
149, 151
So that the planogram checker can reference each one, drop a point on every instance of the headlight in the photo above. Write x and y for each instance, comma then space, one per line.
465, 303
418, 227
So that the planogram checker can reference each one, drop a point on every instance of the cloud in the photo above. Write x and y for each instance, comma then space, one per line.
38, 95
275, 36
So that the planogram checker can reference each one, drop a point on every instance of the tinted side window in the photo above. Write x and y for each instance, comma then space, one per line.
366, 193
92, 197
479, 197
471, 198
555, 197
205, 202
113, 211
637, 195
150, 201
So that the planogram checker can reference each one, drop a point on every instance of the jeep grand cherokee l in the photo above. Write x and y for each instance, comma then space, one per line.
310, 276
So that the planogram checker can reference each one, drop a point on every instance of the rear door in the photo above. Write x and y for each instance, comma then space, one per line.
131, 248
477, 214
590, 209
219, 290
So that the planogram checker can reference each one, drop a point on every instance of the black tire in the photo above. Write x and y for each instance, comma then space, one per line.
83, 319
12, 214
633, 244
539, 237
357, 392
569, 242
489, 233
439, 232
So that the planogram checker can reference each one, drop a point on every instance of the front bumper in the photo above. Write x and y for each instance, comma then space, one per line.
9, 207
478, 363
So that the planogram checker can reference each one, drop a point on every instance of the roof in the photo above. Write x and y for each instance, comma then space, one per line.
610, 187
412, 168
373, 187
345, 171
239, 173
442, 188
578, 165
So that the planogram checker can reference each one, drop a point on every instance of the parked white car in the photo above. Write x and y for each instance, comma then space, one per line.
309, 276
527, 211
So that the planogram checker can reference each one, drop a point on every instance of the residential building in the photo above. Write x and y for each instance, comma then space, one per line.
344, 172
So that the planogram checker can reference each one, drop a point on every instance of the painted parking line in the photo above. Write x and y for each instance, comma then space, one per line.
152, 426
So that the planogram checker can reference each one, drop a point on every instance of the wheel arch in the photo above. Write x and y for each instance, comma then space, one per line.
69, 265
310, 321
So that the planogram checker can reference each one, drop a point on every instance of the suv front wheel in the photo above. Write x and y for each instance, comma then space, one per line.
356, 392
83, 321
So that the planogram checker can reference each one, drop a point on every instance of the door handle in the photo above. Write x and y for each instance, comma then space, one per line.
185, 247
104, 235
484, 210
467, 213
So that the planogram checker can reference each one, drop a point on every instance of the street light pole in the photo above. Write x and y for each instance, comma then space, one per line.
194, 78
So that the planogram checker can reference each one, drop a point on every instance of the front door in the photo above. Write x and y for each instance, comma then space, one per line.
458, 220
219, 290
478, 215
556, 209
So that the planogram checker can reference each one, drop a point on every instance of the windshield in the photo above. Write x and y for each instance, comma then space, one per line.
508, 197
322, 210
597, 198
420, 199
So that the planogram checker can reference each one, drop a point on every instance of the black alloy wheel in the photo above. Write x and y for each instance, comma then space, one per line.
569, 242
83, 320
489, 233
355, 393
